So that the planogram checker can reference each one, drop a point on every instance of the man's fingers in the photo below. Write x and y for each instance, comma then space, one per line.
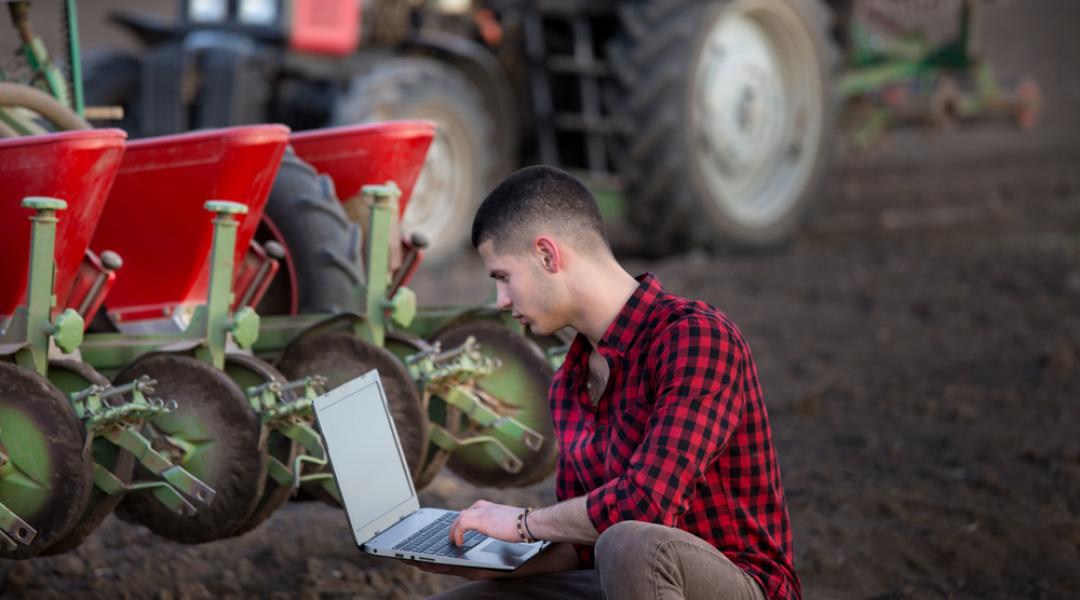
457, 534
453, 529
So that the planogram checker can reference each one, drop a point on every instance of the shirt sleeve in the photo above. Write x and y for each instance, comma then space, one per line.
697, 409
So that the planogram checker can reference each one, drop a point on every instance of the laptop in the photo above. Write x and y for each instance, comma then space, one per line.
380, 501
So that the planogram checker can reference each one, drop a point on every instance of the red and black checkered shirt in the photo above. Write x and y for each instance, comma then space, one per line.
680, 436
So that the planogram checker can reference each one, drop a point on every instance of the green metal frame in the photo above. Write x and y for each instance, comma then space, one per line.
67, 90
31, 330
32, 327
910, 62
212, 324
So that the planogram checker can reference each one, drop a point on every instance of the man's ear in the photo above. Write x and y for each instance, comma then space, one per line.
548, 253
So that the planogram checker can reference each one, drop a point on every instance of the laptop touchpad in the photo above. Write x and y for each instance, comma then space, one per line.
506, 550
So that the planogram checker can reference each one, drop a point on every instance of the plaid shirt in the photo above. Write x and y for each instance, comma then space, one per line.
679, 437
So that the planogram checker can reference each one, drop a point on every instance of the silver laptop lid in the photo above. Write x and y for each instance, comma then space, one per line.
366, 455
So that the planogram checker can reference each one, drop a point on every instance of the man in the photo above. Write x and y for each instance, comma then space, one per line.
667, 479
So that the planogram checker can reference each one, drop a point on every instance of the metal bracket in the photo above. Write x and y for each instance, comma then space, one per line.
437, 369
165, 493
132, 441
92, 406
311, 441
266, 399
474, 408
14, 529
498, 451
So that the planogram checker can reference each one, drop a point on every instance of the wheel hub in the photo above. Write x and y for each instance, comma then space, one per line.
741, 94
757, 100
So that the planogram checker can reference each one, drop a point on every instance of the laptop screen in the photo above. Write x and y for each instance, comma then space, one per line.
368, 464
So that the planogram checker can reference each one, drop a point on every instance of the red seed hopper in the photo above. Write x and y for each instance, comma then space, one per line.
77, 167
156, 221
371, 153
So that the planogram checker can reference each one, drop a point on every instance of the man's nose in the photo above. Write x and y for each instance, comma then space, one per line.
502, 300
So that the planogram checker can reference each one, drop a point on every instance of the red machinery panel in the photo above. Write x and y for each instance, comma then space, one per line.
155, 217
372, 153
325, 26
77, 167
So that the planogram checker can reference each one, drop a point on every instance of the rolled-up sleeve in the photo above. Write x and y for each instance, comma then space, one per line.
698, 406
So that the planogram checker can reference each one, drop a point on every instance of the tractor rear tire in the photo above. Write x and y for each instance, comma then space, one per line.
323, 244
727, 111
463, 162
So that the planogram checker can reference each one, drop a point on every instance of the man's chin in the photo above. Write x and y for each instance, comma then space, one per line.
538, 330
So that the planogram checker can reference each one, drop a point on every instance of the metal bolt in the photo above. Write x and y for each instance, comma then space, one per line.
274, 249
111, 260
419, 240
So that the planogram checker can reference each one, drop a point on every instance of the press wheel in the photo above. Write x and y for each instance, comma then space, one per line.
213, 416
48, 475
521, 385
73, 376
341, 357
438, 412
248, 371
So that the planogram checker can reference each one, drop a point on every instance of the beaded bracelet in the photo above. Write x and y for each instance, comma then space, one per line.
522, 528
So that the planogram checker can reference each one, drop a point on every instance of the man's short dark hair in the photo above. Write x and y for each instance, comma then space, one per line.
534, 196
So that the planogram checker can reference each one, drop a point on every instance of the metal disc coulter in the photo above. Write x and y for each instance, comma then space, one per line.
46, 471
340, 357
215, 435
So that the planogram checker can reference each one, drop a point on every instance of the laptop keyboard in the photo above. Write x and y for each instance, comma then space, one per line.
434, 539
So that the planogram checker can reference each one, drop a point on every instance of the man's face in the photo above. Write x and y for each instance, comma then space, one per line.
524, 288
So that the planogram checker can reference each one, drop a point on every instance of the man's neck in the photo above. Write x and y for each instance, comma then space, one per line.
600, 296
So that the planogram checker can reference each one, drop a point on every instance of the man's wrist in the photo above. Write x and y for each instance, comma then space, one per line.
522, 527
563, 522
525, 520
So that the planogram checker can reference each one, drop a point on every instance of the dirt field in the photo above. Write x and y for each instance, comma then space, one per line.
919, 348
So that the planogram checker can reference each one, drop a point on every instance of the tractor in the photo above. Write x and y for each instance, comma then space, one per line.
701, 123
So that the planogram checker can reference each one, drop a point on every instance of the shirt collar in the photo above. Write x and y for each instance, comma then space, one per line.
630, 320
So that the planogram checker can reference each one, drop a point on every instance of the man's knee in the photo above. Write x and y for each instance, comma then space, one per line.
629, 545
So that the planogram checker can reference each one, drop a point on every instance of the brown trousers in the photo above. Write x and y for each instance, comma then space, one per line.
634, 561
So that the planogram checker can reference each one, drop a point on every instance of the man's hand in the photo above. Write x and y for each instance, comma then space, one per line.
493, 520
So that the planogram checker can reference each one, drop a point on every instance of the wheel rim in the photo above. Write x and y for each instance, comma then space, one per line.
47, 476
757, 112
443, 192
214, 418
